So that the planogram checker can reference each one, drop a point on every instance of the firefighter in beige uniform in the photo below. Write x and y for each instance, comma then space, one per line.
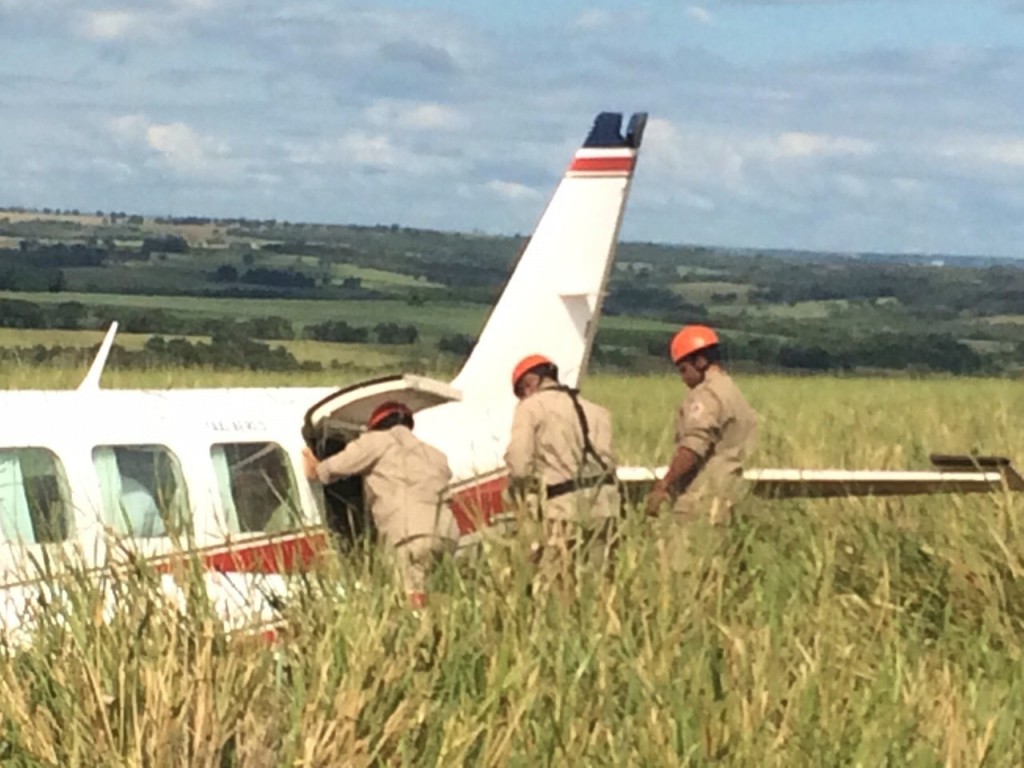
714, 432
564, 443
405, 481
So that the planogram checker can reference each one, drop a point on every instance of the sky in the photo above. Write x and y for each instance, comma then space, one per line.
836, 125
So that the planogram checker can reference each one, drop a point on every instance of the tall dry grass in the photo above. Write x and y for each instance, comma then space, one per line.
858, 632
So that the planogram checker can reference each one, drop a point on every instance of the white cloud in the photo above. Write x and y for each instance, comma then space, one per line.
999, 151
125, 25
692, 154
908, 187
795, 144
116, 170
370, 149
726, 156
593, 18
108, 25
693, 200
28, 5
366, 150
1006, 152
700, 15
412, 115
510, 190
852, 186
351, 116
128, 128
185, 150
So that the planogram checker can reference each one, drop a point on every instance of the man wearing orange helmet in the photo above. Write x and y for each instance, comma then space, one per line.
714, 432
562, 442
405, 481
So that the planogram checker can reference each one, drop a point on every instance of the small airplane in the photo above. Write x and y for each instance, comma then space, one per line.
94, 476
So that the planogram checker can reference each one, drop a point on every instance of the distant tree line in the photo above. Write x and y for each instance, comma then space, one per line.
935, 352
221, 353
382, 333
281, 278
653, 301
76, 316
227, 351
73, 315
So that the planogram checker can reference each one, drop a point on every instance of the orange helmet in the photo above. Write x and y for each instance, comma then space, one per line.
525, 365
692, 338
384, 410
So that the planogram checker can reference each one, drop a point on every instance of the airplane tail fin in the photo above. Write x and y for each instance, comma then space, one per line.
552, 301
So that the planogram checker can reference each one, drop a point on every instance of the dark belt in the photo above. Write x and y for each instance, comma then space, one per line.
560, 489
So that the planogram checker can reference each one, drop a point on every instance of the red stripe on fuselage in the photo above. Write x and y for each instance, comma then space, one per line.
478, 503
282, 554
602, 164
474, 507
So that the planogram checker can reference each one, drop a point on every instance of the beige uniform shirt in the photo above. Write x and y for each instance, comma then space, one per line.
547, 443
405, 481
716, 423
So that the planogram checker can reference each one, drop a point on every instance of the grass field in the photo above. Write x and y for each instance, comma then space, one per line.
379, 279
704, 292
848, 632
433, 319
359, 357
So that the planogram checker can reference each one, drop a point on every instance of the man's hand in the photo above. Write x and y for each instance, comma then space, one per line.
684, 464
658, 496
309, 463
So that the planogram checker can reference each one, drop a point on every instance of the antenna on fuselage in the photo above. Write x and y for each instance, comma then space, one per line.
92, 378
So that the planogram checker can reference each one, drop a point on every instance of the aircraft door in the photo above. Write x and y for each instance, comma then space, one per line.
345, 511
336, 420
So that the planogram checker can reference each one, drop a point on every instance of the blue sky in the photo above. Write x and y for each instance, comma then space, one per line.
848, 125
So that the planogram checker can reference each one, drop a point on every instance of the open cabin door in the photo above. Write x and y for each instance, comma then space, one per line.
336, 420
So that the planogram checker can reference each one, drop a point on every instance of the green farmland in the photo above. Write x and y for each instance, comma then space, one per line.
434, 319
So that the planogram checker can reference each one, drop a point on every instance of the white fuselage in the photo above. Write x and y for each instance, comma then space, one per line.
74, 428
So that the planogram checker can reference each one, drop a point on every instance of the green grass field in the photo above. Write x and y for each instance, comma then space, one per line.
343, 361
847, 632
433, 319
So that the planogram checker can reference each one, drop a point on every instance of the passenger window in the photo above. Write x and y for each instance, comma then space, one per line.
143, 491
257, 487
34, 499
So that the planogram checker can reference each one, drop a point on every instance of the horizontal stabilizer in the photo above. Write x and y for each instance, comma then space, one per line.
961, 461
953, 474
831, 483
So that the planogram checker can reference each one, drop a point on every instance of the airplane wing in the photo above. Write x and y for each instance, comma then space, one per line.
949, 474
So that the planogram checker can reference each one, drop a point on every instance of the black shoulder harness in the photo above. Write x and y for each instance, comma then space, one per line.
588, 447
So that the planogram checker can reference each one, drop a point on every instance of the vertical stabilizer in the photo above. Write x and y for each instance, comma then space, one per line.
553, 299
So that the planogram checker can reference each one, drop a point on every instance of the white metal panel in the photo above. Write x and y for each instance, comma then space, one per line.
352, 406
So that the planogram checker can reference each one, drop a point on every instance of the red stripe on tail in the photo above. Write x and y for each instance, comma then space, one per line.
602, 164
